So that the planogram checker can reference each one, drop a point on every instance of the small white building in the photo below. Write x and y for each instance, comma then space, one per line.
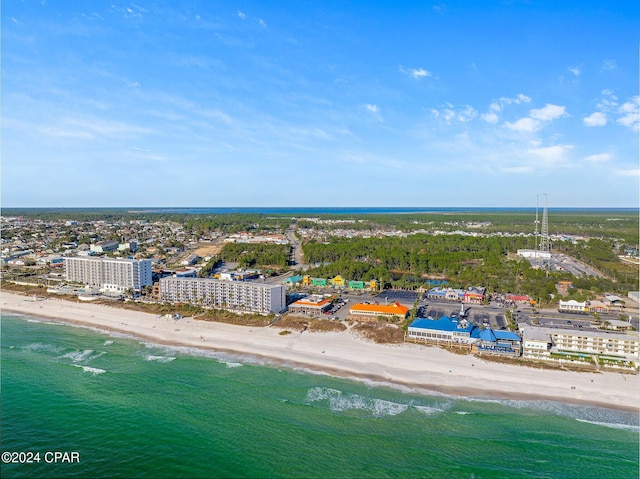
533, 254
573, 306
536, 342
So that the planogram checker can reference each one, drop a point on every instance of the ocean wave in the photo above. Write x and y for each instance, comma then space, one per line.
230, 360
41, 347
429, 410
628, 427
108, 343
339, 402
88, 369
159, 359
80, 356
589, 414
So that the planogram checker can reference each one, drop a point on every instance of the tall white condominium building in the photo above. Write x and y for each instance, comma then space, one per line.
110, 273
239, 295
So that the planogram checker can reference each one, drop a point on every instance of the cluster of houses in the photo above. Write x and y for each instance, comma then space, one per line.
610, 302
337, 283
475, 295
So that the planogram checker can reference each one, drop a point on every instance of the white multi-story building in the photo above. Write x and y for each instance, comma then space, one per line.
536, 342
110, 274
237, 295
597, 342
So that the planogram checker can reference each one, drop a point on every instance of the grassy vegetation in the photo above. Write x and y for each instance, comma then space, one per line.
299, 323
380, 332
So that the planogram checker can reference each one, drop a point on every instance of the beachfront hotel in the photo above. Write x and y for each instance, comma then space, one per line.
553, 344
109, 274
237, 295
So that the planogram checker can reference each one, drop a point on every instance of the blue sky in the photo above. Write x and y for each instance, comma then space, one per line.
332, 103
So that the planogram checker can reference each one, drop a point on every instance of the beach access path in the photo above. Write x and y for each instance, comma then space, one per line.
343, 354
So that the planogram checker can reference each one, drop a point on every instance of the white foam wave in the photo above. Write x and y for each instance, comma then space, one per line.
462, 413
588, 414
33, 321
79, 356
40, 347
229, 359
159, 359
233, 365
108, 343
339, 402
628, 427
88, 369
428, 410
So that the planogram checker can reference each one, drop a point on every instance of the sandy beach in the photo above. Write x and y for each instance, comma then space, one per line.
343, 354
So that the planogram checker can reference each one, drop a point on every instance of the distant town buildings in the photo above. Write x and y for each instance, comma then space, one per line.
109, 274
104, 247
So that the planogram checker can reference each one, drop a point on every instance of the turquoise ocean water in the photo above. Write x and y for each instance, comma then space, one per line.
132, 409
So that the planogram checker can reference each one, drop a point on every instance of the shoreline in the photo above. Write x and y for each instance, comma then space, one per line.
412, 366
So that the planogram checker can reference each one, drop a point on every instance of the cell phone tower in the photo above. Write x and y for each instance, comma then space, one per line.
545, 245
536, 235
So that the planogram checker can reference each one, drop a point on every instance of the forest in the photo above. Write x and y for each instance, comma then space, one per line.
249, 255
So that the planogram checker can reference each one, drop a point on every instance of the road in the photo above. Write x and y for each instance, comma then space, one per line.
297, 248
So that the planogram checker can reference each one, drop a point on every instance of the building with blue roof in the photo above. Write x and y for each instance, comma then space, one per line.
445, 329
499, 342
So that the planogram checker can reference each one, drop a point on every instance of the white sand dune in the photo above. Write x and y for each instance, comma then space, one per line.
344, 354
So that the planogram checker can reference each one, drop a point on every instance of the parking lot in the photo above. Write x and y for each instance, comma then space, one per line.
405, 297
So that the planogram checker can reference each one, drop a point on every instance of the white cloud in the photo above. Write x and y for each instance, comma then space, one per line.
372, 108
608, 65
415, 72
632, 172
528, 125
608, 101
630, 111
601, 157
517, 169
497, 106
502, 101
551, 155
261, 22
467, 114
490, 117
439, 8
548, 112
595, 119
242, 15
575, 70
449, 113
